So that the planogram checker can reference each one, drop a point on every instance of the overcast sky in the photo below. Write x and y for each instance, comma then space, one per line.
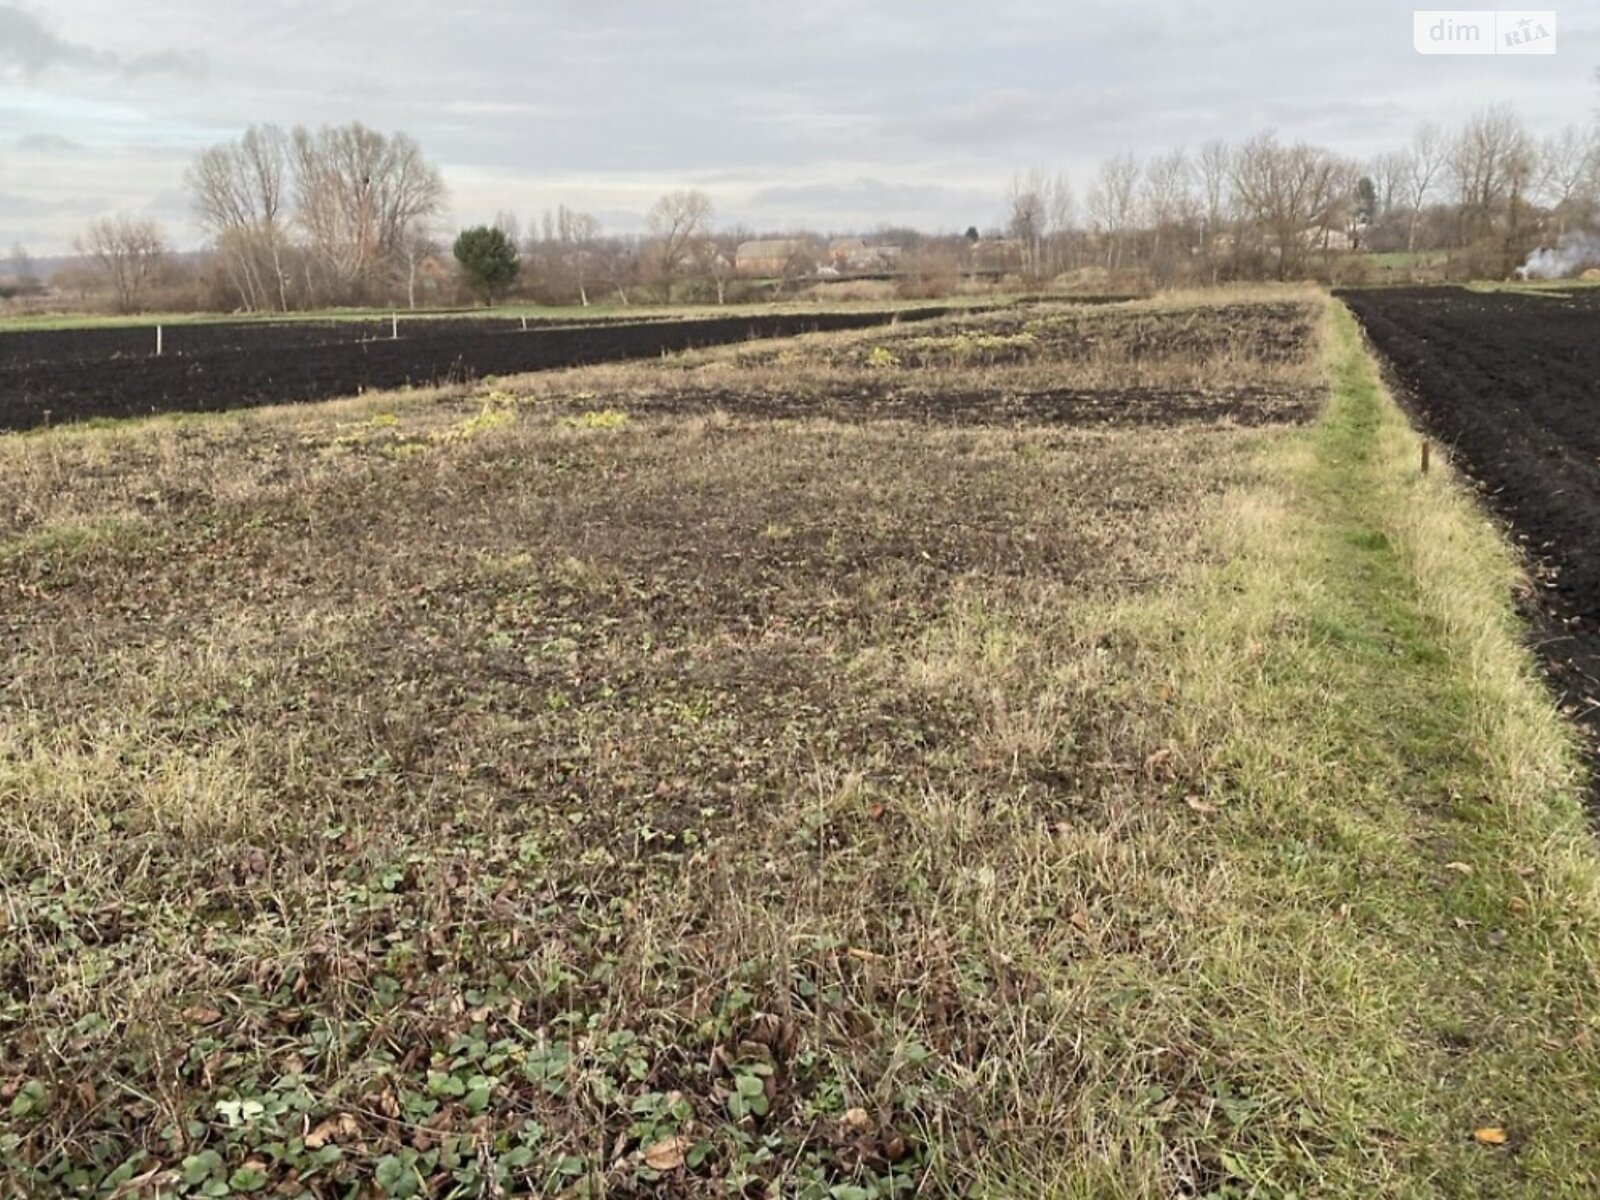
830, 113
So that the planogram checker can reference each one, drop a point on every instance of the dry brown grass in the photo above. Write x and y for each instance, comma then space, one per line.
768, 768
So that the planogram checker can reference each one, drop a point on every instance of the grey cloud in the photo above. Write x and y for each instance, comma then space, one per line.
858, 194
165, 62
47, 143
29, 47
832, 112
29, 208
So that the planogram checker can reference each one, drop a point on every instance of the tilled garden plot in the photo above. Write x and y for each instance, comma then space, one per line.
1239, 364
1512, 383
42, 393
397, 701
138, 342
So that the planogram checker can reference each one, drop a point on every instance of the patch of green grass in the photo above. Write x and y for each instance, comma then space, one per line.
605, 418
1550, 289
1403, 260
607, 310
1400, 801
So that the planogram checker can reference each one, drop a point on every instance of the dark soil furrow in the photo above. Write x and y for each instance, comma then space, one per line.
1512, 383
40, 393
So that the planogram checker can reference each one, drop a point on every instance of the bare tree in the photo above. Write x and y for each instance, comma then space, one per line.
1288, 195
1388, 173
1039, 210
20, 267
421, 244
128, 254
1028, 219
360, 194
618, 263
798, 263
716, 260
1113, 204
1569, 174
1060, 206
577, 232
1167, 183
363, 200
1491, 156
508, 223
678, 220
240, 195
1424, 162
1215, 166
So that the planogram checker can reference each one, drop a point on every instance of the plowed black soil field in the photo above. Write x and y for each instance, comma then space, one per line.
139, 341
55, 377
1512, 383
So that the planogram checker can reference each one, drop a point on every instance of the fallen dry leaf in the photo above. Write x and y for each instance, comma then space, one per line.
1491, 1136
667, 1155
1200, 806
857, 1119
342, 1128
1460, 868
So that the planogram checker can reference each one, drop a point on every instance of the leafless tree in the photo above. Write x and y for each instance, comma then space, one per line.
677, 221
1569, 174
360, 194
716, 261
800, 262
1039, 210
20, 267
1113, 204
577, 232
1287, 194
128, 253
1166, 188
1388, 173
1344, 208
421, 244
1424, 162
1215, 166
1028, 218
240, 195
617, 261
508, 223
1490, 156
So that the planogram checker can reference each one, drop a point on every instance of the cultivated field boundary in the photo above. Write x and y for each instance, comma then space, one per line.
1399, 812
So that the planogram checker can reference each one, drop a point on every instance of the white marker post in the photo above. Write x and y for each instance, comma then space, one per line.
158, 341
524, 324
396, 319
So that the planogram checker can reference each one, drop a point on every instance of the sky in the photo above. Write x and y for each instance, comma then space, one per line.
831, 114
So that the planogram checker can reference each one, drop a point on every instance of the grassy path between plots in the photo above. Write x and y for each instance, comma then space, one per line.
1408, 984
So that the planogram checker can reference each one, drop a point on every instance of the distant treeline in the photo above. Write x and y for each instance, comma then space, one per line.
298, 219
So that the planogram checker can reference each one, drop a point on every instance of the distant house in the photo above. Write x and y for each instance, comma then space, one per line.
775, 257
844, 253
1318, 238
854, 256
995, 255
